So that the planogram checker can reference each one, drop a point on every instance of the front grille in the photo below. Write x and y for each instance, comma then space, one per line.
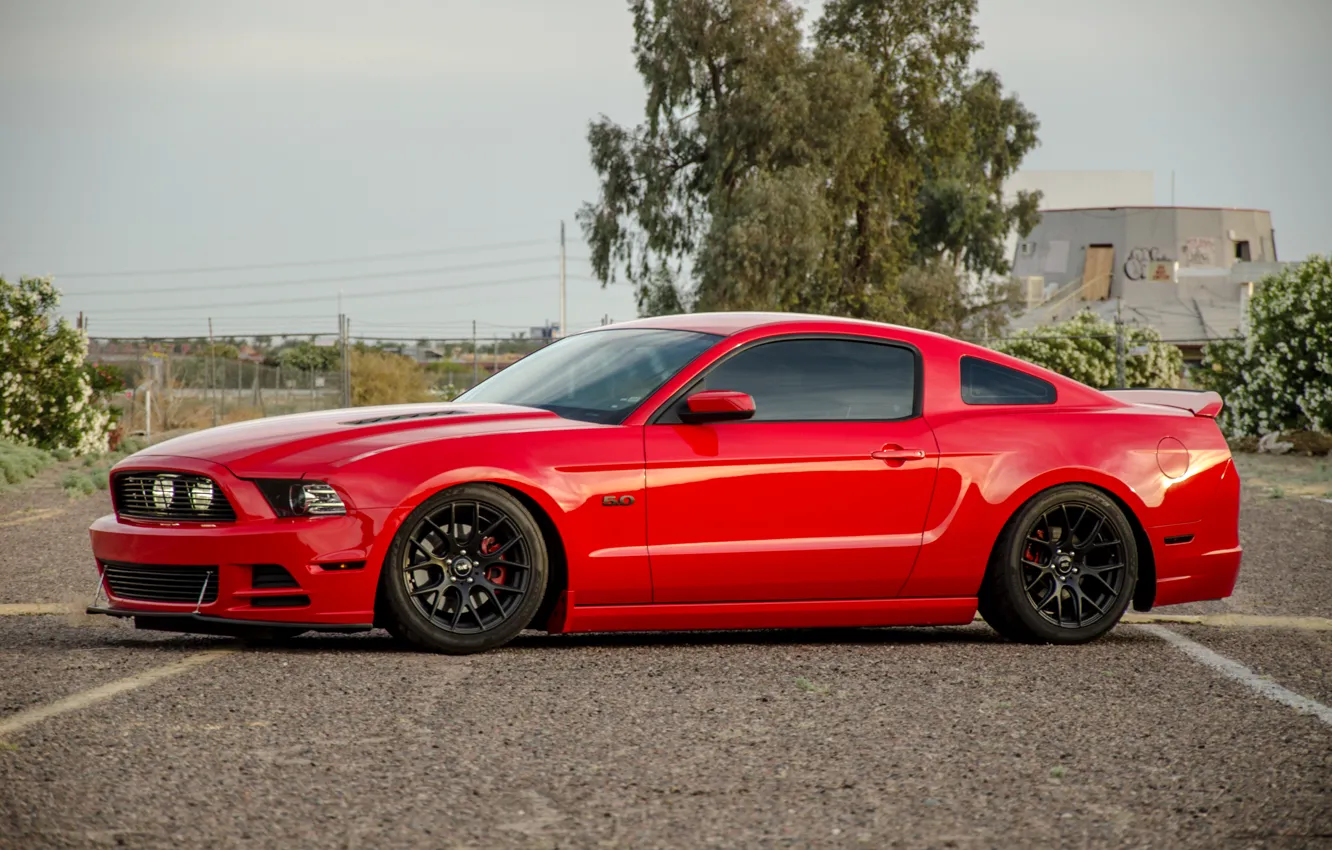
154, 583
171, 496
268, 576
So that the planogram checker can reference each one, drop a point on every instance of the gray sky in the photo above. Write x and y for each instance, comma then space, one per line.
184, 134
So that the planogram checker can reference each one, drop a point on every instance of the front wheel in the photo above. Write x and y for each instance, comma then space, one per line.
465, 573
1064, 570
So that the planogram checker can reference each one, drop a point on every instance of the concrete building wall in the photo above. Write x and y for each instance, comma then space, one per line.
1203, 242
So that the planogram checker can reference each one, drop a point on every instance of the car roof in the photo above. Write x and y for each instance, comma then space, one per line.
726, 324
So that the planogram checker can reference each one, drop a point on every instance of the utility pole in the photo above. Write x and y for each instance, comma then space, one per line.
564, 318
495, 370
346, 360
1119, 342
212, 369
476, 359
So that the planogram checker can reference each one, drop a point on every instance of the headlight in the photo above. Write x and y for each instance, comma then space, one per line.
302, 498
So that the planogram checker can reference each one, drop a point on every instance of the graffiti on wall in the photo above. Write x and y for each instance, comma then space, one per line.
1198, 251
1140, 260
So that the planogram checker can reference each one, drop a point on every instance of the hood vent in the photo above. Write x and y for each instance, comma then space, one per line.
402, 417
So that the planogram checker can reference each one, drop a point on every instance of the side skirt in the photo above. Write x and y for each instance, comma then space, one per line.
571, 617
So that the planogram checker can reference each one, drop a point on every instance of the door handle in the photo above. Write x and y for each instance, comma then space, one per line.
898, 454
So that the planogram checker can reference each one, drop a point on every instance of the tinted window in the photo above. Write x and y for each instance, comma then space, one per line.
821, 379
594, 377
984, 382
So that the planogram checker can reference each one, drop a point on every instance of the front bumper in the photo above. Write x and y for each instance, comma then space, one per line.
334, 561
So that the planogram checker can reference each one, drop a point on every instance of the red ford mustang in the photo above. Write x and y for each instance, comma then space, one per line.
708, 471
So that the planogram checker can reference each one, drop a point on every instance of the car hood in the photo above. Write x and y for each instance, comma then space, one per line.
327, 439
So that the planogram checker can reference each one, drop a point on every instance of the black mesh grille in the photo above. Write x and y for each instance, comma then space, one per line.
279, 601
154, 583
172, 496
268, 576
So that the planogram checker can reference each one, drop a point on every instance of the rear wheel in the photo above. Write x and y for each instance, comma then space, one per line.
465, 573
1064, 570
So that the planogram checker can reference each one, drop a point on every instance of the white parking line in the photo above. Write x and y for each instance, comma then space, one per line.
24, 719
1237, 671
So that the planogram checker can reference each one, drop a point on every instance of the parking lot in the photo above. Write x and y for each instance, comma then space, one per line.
1208, 727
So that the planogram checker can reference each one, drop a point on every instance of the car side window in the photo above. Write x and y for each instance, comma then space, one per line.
812, 380
984, 382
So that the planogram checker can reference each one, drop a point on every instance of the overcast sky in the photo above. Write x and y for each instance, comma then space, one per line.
187, 134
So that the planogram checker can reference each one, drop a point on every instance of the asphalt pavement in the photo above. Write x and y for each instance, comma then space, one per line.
851, 738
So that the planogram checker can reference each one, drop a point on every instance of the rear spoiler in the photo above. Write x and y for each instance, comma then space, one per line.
1198, 402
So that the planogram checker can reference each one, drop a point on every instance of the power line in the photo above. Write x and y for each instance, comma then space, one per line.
327, 295
268, 284
364, 258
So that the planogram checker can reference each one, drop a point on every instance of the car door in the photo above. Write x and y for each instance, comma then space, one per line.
821, 495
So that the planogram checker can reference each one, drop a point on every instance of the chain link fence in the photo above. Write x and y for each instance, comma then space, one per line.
175, 385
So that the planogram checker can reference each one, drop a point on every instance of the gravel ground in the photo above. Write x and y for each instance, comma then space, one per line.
859, 738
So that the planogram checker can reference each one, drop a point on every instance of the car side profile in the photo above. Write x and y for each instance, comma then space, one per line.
704, 471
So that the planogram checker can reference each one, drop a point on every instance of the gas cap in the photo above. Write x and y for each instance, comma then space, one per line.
1172, 457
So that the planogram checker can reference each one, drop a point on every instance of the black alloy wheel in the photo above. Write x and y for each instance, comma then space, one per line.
466, 572
1064, 571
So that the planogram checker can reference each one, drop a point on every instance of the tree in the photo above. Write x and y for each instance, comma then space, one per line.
308, 357
1083, 348
46, 395
774, 174
1280, 377
382, 377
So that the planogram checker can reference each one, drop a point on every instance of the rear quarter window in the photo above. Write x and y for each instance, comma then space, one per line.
984, 382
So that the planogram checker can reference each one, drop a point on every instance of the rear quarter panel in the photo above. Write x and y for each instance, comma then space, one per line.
995, 458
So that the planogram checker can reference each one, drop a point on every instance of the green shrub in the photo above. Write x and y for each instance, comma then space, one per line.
46, 394
1083, 348
19, 462
1280, 377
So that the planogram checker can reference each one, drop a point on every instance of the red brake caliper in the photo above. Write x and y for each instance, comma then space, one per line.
495, 573
1028, 554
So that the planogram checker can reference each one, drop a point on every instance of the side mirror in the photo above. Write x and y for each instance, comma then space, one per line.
717, 406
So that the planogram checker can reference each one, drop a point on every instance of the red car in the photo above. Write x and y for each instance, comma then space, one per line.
707, 471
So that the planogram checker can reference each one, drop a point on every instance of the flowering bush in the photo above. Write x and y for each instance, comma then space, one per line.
46, 397
1280, 377
1083, 348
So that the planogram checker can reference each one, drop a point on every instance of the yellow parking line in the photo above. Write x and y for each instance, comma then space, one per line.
24, 719
1246, 621
31, 516
30, 609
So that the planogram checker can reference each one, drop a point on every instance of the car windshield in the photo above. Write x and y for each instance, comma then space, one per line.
594, 377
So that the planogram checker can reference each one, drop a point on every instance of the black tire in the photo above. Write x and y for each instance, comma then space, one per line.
1064, 569
466, 572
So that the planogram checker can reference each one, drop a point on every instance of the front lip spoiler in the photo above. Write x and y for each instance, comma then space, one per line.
205, 621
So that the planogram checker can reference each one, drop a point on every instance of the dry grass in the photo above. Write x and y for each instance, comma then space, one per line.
1280, 476
380, 377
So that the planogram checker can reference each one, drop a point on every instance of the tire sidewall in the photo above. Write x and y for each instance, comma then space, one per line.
415, 626
1011, 572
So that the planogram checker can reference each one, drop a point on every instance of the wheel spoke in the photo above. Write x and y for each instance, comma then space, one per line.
1054, 591
1083, 597
422, 591
1105, 568
421, 548
464, 601
1087, 541
1036, 581
1075, 597
1045, 543
492, 557
1108, 586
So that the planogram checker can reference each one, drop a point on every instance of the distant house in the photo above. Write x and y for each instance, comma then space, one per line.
1186, 271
